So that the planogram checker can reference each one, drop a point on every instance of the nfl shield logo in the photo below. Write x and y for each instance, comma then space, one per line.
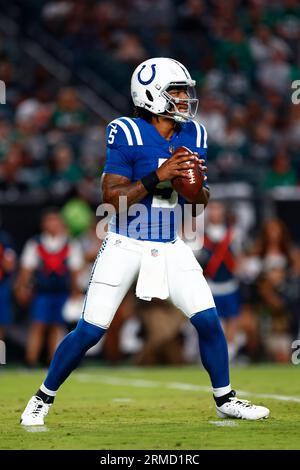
154, 253
171, 149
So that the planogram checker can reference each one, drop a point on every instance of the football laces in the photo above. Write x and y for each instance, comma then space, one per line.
244, 403
37, 407
192, 178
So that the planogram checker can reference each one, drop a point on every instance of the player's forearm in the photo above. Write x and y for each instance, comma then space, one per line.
134, 192
201, 202
202, 197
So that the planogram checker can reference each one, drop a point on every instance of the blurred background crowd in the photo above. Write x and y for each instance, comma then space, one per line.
67, 65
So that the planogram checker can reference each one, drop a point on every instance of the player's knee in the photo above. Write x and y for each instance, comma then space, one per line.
207, 322
89, 334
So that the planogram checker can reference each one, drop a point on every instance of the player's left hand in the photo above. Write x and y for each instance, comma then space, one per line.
202, 165
203, 168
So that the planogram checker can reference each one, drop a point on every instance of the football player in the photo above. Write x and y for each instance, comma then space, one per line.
140, 166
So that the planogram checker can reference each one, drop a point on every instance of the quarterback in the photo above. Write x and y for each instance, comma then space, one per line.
141, 163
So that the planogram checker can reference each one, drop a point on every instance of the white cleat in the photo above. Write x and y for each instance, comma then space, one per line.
35, 412
241, 409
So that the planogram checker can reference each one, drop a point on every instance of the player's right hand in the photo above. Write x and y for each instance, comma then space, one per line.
177, 165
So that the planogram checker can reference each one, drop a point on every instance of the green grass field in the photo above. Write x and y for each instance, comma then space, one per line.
156, 408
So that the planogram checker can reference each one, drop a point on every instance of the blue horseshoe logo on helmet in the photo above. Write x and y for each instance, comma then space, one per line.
146, 82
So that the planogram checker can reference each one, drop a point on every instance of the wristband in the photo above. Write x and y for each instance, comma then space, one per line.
150, 181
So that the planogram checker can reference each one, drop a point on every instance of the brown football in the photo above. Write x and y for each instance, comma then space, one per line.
188, 187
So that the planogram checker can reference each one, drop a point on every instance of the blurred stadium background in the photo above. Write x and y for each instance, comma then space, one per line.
67, 66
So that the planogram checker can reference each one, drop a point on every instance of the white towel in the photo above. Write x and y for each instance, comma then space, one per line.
152, 280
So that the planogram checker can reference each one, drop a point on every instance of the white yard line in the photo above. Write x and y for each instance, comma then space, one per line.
35, 428
225, 423
139, 383
122, 400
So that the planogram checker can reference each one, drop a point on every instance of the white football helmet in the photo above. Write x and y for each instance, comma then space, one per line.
151, 81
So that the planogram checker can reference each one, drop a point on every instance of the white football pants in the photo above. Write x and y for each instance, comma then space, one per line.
118, 265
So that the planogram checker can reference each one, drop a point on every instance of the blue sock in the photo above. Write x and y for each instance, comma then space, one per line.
213, 346
70, 352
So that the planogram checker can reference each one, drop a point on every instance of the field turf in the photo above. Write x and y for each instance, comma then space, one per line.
154, 408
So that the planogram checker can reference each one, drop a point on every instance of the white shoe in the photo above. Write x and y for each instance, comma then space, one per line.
35, 412
241, 409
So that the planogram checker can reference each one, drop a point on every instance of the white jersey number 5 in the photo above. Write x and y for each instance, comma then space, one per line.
112, 134
158, 201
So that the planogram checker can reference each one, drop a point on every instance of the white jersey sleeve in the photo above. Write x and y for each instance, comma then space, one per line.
29, 257
76, 258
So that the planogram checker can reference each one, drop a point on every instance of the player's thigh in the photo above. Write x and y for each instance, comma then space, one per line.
191, 293
189, 290
114, 272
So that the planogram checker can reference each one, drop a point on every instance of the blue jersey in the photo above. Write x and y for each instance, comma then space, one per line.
134, 149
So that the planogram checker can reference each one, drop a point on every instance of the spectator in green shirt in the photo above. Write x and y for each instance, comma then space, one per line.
68, 114
64, 174
281, 174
